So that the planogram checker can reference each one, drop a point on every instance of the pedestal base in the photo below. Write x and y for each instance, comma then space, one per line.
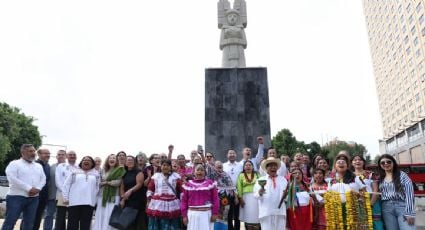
236, 110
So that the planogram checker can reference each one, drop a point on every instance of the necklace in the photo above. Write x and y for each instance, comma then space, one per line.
249, 180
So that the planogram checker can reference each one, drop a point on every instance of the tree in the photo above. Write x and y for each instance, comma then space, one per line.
15, 129
332, 148
285, 143
313, 148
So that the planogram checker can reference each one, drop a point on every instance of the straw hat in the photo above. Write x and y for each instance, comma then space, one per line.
269, 160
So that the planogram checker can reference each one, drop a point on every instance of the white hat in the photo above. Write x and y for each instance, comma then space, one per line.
269, 160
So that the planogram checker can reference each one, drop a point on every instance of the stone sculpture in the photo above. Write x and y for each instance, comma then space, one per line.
233, 40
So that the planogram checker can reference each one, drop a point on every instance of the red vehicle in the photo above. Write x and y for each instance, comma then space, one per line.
416, 173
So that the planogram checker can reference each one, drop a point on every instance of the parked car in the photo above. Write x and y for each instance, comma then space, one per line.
3, 181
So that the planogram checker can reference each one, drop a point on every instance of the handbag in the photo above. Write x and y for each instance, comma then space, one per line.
122, 218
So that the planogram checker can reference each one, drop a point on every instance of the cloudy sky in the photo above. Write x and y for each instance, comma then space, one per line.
103, 76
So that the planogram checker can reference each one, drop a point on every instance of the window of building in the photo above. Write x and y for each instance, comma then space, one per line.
402, 18
406, 39
412, 114
420, 109
418, 53
415, 84
408, 50
416, 41
409, 8
423, 32
421, 19
411, 19
409, 103
403, 107
417, 97
404, 29
413, 30
419, 7
420, 66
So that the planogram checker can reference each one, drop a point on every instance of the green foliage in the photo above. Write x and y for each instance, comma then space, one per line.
15, 129
334, 147
286, 143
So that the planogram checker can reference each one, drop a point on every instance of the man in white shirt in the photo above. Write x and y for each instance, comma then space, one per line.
26, 179
233, 168
193, 154
271, 195
247, 152
62, 172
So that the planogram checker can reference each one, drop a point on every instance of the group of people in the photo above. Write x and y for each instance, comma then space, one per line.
262, 191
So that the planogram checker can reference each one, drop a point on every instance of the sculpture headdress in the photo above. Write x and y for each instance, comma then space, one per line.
239, 7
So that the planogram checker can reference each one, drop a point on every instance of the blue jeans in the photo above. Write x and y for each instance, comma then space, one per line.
15, 205
392, 211
50, 213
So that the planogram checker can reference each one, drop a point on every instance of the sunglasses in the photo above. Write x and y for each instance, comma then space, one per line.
209, 156
341, 162
386, 162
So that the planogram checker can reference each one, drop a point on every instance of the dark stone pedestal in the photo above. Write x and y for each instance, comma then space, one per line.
236, 110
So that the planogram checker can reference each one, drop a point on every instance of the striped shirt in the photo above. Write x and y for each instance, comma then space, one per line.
388, 193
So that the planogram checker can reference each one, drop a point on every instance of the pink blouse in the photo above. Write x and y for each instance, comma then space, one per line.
200, 193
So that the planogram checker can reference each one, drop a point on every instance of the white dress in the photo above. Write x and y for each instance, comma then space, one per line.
104, 213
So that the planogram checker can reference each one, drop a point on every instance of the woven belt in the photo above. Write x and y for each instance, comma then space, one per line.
199, 208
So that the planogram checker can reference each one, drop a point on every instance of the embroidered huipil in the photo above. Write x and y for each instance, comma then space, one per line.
224, 183
200, 193
163, 201
245, 185
337, 185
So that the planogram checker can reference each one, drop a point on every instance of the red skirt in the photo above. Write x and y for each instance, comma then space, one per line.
300, 218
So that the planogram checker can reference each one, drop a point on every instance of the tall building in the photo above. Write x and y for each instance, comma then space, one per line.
397, 41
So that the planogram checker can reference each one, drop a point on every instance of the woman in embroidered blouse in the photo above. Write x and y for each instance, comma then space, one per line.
248, 212
299, 202
200, 202
226, 189
319, 187
84, 181
343, 179
368, 179
108, 195
398, 201
163, 199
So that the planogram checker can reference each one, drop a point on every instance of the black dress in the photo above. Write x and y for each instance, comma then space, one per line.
129, 180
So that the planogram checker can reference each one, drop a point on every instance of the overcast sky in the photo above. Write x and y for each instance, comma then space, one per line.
104, 76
